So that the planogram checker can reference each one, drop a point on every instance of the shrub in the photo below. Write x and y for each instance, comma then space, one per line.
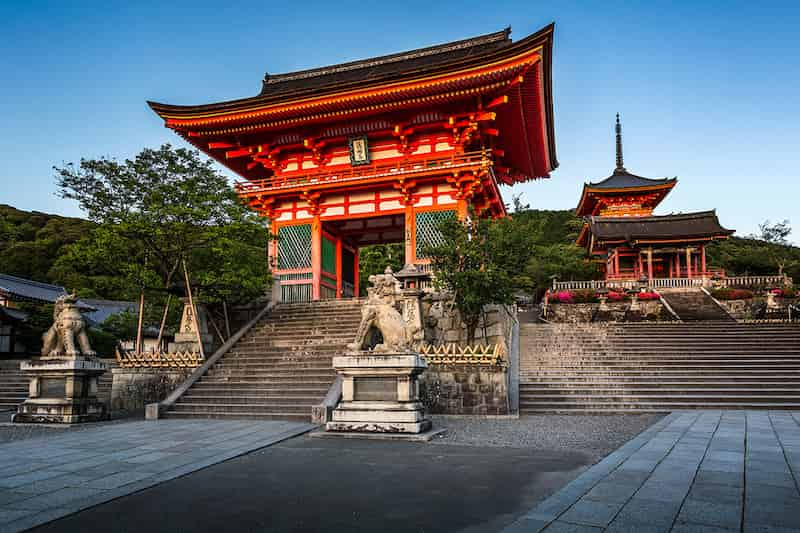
649, 296
732, 294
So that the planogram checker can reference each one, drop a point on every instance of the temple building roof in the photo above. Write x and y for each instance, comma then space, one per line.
622, 179
25, 289
508, 83
384, 67
684, 227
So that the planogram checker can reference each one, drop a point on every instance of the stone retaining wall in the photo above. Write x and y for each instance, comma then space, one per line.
133, 388
443, 324
465, 389
585, 313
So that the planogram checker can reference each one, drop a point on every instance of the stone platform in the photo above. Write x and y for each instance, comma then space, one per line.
46, 478
700, 471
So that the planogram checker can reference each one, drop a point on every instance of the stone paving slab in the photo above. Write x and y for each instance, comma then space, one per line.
693, 471
49, 477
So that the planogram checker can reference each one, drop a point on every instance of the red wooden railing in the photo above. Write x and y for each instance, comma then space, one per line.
413, 165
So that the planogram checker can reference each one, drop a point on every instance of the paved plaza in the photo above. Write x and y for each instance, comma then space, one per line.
48, 477
692, 471
703, 471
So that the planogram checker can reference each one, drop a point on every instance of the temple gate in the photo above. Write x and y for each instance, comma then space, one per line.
380, 150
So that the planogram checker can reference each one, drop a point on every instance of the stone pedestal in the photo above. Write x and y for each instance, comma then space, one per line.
186, 338
380, 394
62, 391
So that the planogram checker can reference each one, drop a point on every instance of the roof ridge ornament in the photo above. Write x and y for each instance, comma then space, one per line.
620, 166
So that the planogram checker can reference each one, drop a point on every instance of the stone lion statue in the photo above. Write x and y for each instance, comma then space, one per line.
68, 327
380, 311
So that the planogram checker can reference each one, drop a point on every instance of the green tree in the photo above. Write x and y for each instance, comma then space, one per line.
163, 206
375, 258
474, 267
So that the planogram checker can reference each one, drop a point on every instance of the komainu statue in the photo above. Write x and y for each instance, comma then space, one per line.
67, 329
380, 312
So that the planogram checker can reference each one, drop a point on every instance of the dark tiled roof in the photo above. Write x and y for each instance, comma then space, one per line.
21, 288
102, 309
622, 179
13, 315
702, 224
399, 64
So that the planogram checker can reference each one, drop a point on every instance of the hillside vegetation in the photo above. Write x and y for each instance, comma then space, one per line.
43, 247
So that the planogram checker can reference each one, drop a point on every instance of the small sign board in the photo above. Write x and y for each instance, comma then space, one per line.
359, 150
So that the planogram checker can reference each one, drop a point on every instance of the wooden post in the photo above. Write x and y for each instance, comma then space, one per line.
616, 261
677, 264
138, 347
338, 266
163, 323
316, 258
194, 312
650, 264
639, 264
227, 320
410, 234
688, 262
703, 259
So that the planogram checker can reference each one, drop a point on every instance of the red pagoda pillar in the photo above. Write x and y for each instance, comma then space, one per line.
688, 262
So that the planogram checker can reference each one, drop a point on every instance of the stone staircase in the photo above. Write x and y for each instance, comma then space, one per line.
693, 305
13, 384
658, 367
277, 370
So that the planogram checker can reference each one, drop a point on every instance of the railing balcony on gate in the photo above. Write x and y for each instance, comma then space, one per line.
377, 169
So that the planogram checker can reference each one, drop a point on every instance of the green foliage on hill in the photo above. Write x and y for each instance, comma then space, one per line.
31, 241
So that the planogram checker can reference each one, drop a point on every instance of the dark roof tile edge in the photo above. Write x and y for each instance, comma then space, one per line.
488, 38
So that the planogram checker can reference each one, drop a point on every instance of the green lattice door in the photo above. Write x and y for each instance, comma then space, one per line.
328, 287
428, 234
294, 262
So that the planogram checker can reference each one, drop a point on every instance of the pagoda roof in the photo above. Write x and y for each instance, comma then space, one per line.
698, 226
383, 67
490, 66
622, 179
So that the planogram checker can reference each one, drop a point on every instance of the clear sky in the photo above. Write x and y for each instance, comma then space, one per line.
708, 91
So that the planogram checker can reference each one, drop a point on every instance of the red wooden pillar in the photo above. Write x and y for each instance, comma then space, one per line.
338, 266
616, 262
688, 262
671, 266
703, 258
316, 258
640, 268
650, 263
677, 264
411, 234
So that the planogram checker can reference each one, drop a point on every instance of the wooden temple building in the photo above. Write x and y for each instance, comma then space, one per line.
629, 242
380, 150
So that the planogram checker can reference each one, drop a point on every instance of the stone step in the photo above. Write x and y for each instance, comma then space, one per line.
531, 391
275, 407
233, 415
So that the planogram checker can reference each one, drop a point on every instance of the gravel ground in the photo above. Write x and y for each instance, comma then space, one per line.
9, 431
594, 435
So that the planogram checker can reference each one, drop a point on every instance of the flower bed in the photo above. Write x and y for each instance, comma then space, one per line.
592, 296
732, 294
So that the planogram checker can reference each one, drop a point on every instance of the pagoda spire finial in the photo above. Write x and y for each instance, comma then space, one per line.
620, 165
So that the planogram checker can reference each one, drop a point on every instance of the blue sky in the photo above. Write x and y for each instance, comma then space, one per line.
708, 91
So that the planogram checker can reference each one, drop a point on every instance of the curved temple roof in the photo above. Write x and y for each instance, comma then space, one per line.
482, 65
702, 225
